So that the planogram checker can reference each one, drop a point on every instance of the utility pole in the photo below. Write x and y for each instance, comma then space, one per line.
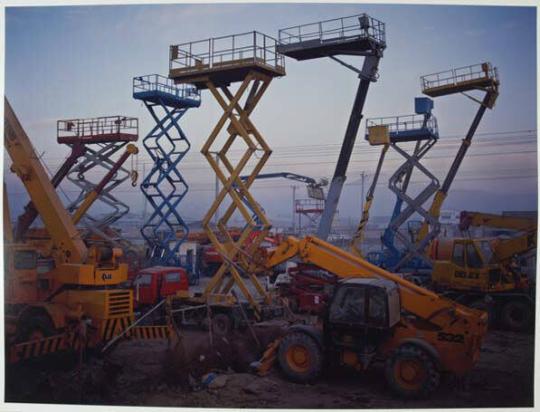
363, 177
293, 208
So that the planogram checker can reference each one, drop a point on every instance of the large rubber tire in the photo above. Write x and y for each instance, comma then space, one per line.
481, 304
412, 373
221, 324
34, 326
516, 315
300, 357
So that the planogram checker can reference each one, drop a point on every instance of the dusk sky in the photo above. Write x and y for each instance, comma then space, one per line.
68, 62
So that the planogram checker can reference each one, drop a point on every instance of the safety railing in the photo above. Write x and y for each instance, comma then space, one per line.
227, 50
309, 205
97, 126
360, 25
406, 123
454, 77
158, 83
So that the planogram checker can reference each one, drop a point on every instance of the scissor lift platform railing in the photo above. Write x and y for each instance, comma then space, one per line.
159, 89
225, 60
98, 130
408, 128
352, 35
462, 79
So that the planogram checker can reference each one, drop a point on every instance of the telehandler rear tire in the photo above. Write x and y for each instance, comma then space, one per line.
516, 315
411, 372
221, 324
300, 357
34, 325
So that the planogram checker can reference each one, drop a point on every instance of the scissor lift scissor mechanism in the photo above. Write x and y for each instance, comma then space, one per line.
164, 187
398, 133
214, 64
94, 143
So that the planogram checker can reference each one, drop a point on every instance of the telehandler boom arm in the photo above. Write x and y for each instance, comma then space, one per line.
416, 300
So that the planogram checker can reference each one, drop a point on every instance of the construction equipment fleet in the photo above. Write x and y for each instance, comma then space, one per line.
485, 272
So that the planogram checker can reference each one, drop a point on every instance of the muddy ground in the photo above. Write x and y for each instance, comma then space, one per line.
144, 373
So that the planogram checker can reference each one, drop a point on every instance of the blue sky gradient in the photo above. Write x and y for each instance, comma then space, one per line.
66, 62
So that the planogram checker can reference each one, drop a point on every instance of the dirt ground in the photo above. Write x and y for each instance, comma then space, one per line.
143, 373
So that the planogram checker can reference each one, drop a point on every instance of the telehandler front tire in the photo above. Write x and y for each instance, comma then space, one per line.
412, 373
516, 315
300, 357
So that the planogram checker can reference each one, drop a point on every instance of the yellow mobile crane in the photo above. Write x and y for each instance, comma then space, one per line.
486, 273
59, 293
377, 315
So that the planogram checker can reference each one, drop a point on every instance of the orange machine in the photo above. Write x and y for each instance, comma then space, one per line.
376, 315
59, 293
486, 273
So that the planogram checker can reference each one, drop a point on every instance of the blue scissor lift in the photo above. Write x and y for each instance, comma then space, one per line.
164, 186
420, 128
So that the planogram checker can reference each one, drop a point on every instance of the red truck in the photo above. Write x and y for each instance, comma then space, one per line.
153, 284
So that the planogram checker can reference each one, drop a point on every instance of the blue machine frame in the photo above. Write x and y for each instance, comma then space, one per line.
164, 187
420, 128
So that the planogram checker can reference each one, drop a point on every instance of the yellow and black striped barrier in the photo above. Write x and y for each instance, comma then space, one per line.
39, 347
149, 332
114, 326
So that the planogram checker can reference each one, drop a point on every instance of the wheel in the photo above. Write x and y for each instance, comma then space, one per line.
516, 315
300, 357
481, 304
221, 324
411, 372
34, 326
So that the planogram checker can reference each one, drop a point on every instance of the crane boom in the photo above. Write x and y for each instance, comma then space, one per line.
416, 300
68, 246
504, 249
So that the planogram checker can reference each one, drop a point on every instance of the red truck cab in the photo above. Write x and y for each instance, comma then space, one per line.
152, 284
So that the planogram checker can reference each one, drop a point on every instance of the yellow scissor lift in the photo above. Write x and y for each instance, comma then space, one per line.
250, 59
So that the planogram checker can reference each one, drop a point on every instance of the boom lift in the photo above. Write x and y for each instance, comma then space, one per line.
60, 294
313, 205
480, 77
376, 315
359, 35
486, 273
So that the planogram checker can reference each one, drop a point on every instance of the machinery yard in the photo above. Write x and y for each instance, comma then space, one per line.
157, 259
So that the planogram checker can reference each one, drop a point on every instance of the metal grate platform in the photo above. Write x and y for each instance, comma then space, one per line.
225, 60
478, 76
353, 35
98, 130
160, 89
409, 128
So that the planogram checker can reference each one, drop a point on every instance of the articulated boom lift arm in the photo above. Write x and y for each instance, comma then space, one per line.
416, 300
490, 85
67, 243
